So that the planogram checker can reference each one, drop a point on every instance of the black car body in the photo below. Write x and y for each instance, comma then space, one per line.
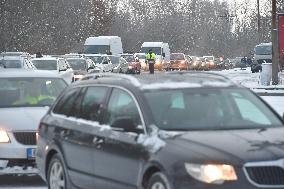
119, 132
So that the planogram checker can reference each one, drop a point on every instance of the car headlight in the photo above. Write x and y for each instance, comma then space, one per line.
211, 173
4, 138
130, 67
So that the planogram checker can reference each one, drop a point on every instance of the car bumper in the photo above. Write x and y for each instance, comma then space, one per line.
14, 157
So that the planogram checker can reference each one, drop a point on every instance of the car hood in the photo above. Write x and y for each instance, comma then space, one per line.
26, 118
234, 146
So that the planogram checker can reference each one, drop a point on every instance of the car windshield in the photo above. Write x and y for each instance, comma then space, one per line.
263, 50
11, 63
97, 49
77, 64
156, 50
129, 58
21, 92
114, 59
96, 59
45, 64
209, 109
177, 57
141, 56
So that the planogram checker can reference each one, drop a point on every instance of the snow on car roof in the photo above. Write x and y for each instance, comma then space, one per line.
13, 73
185, 80
169, 81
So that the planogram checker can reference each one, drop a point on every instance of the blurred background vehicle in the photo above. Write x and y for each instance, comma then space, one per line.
105, 65
196, 63
110, 45
134, 65
121, 66
263, 53
56, 65
24, 98
178, 62
80, 66
142, 59
19, 60
210, 62
256, 66
162, 51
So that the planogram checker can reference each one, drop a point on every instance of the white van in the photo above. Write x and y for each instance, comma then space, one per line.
110, 45
162, 51
263, 53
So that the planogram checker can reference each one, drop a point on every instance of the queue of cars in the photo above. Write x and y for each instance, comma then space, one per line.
172, 130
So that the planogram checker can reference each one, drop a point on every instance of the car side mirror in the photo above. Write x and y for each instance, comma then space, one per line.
125, 124
164, 55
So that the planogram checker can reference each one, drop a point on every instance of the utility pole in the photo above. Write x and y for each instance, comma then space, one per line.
275, 57
258, 21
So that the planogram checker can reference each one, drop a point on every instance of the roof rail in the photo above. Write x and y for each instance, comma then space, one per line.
131, 79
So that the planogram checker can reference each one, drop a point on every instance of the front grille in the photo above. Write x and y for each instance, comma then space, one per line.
266, 175
26, 138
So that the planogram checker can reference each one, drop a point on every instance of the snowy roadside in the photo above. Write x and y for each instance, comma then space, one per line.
273, 95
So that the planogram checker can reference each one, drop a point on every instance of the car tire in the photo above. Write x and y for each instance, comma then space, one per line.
57, 176
158, 181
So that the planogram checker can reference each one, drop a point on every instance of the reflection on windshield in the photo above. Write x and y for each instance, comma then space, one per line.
15, 92
11, 63
45, 64
77, 64
209, 109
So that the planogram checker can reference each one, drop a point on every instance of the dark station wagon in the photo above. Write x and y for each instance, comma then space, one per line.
172, 131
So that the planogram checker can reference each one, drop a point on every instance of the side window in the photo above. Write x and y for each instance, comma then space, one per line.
66, 104
249, 111
92, 103
122, 105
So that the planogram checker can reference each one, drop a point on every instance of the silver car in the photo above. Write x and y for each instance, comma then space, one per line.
25, 97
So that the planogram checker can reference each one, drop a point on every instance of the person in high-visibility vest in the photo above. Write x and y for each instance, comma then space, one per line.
150, 58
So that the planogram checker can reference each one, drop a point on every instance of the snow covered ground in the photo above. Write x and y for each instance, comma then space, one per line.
273, 95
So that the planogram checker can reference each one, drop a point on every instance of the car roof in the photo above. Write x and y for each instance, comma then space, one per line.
169, 80
14, 73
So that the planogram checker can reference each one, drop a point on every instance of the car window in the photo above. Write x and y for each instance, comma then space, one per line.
249, 111
66, 103
122, 105
92, 102
203, 109
26, 92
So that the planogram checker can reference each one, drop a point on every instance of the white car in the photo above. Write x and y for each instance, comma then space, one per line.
24, 98
16, 60
57, 65
105, 65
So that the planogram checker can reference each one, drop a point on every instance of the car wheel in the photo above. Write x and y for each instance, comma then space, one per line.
158, 181
56, 176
